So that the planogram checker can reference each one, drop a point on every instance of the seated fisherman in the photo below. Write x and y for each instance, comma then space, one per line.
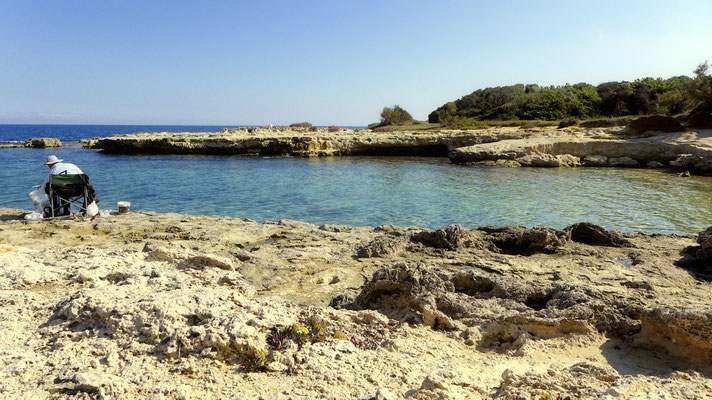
57, 167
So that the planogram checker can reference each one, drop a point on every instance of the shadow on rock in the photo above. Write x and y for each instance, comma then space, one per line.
11, 214
630, 360
520, 240
697, 260
586, 232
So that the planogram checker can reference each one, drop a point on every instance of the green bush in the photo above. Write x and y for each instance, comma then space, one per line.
334, 128
672, 102
394, 116
255, 361
301, 125
567, 122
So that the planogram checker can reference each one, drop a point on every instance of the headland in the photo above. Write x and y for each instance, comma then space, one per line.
527, 147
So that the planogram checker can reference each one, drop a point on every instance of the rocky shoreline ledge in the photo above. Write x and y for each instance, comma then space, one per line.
168, 306
536, 147
298, 142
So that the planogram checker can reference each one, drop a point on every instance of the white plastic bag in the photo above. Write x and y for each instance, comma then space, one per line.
92, 209
35, 216
39, 199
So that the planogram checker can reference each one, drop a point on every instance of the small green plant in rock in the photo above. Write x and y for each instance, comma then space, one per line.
296, 333
339, 335
316, 331
255, 361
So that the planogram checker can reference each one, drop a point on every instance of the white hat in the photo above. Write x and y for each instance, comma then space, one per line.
52, 160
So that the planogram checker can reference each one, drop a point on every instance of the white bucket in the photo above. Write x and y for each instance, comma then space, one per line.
124, 207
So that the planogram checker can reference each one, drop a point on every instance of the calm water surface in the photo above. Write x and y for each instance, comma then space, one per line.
373, 191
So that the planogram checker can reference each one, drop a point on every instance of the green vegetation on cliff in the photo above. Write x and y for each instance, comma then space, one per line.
579, 101
395, 116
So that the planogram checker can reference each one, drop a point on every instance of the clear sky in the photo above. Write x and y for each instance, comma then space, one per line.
326, 62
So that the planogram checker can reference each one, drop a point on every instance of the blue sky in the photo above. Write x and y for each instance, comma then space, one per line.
326, 62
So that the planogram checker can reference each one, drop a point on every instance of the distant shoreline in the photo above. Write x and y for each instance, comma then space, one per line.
506, 147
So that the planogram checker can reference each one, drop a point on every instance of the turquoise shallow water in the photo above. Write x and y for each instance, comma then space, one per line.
373, 191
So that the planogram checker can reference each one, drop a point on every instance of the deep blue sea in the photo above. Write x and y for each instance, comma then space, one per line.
426, 192
65, 133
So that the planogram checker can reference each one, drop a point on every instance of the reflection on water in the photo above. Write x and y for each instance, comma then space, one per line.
374, 191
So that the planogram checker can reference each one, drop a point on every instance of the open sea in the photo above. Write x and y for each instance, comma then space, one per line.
407, 191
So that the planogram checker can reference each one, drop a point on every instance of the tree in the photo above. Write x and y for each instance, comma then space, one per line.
671, 102
394, 116
702, 86
614, 96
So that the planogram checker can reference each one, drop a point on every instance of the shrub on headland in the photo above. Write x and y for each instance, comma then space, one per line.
394, 116
301, 125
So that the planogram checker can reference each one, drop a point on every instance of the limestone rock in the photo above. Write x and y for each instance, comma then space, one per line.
683, 161
586, 232
296, 141
404, 290
383, 246
595, 161
541, 239
187, 258
654, 164
683, 332
42, 143
520, 240
484, 147
210, 260
622, 162
452, 237
567, 160
704, 254
572, 382
696, 161
505, 163
539, 160
100, 318
381, 394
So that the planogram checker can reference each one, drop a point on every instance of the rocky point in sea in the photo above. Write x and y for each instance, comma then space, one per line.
168, 306
655, 142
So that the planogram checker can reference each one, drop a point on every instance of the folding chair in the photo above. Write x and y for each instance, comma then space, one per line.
66, 191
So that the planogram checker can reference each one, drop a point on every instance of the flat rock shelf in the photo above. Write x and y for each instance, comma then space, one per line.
569, 147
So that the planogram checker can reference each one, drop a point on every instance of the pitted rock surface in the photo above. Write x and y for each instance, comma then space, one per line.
170, 306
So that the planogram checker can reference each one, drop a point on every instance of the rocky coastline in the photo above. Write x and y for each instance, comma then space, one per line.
297, 142
169, 306
512, 147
